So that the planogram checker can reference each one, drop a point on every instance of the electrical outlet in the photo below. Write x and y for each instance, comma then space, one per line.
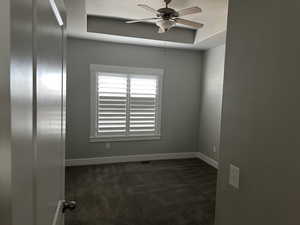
107, 145
234, 176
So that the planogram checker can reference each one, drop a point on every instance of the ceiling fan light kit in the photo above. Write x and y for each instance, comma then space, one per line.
166, 18
165, 25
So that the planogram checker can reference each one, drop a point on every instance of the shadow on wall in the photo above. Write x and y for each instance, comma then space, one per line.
211, 101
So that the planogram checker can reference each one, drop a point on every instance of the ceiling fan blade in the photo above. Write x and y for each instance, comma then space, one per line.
141, 20
189, 11
189, 23
148, 8
160, 30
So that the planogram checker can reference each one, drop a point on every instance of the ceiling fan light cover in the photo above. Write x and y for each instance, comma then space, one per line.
166, 24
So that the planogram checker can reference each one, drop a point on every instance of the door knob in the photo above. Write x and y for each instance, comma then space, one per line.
68, 205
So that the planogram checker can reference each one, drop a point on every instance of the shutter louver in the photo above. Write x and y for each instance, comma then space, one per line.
112, 102
143, 106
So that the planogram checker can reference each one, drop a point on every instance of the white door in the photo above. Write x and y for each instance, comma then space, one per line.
50, 80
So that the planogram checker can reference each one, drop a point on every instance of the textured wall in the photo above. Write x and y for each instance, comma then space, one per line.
261, 115
180, 103
211, 101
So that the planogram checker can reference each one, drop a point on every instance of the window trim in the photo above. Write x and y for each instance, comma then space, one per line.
94, 69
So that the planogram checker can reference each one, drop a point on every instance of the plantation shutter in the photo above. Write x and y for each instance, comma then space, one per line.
124, 104
111, 104
143, 110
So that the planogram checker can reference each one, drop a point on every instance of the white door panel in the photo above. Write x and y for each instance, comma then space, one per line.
49, 156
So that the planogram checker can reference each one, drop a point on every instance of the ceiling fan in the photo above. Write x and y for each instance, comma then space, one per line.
166, 18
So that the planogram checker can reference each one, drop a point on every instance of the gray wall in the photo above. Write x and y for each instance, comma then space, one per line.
261, 115
211, 101
22, 120
5, 145
16, 145
180, 103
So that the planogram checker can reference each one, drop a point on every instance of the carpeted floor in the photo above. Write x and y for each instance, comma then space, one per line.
171, 192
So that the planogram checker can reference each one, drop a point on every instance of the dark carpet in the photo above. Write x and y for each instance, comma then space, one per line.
171, 192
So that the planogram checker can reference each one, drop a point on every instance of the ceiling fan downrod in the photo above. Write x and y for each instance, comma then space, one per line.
167, 2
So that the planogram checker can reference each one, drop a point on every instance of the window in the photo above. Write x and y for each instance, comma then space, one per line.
125, 103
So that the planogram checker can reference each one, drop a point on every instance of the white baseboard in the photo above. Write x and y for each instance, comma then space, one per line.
142, 157
207, 159
130, 158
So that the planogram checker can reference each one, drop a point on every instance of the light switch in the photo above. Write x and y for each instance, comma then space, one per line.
234, 176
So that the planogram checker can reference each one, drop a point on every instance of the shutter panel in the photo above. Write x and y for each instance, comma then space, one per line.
143, 106
111, 104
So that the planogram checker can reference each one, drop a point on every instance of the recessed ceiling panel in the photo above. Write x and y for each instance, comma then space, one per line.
213, 16
117, 26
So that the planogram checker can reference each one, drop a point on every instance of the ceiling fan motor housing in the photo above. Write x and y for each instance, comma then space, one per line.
167, 13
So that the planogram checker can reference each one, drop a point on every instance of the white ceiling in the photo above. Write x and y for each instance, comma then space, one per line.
214, 16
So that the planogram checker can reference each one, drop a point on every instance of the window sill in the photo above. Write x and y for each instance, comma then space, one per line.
118, 139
